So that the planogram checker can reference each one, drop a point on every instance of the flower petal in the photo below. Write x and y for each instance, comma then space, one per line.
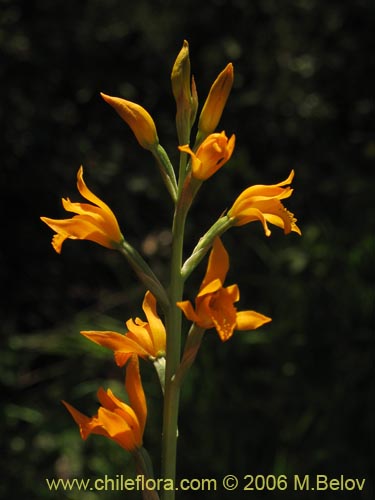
135, 391
156, 325
218, 264
211, 287
117, 342
87, 425
118, 429
223, 314
250, 320
187, 308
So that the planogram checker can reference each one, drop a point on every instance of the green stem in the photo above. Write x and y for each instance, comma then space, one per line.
173, 326
173, 320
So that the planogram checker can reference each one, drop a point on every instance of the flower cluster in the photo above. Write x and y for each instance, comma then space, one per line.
159, 337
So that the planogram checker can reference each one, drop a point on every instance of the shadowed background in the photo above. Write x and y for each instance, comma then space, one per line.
291, 398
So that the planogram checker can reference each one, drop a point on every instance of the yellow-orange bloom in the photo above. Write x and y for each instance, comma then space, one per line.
146, 339
122, 423
211, 155
94, 222
214, 304
262, 202
216, 100
138, 119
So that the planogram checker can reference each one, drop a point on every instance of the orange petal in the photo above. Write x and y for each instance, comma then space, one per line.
249, 215
111, 340
250, 320
135, 391
118, 429
218, 264
88, 194
187, 308
87, 425
155, 323
117, 342
223, 314
211, 287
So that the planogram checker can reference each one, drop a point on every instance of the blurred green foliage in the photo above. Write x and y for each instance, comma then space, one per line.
292, 398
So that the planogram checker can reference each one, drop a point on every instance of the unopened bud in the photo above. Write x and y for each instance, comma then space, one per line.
138, 119
215, 102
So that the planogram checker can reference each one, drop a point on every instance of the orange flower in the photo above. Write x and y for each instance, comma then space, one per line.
116, 420
214, 304
138, 119
146, 339
216, 100
263, 203
211, 155
94, 222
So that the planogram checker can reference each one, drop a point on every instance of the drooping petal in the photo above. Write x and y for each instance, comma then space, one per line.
250, 320
187, 308
135, 391
252, 214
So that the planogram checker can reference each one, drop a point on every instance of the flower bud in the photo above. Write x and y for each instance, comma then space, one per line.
185, 94
215, 102
180, 77
138, 119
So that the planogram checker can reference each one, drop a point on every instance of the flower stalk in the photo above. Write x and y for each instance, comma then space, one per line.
158, 339
173, 325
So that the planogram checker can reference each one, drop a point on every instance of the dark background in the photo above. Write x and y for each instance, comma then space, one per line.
292, 398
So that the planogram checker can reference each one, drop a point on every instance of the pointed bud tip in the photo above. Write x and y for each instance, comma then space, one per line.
105, 97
